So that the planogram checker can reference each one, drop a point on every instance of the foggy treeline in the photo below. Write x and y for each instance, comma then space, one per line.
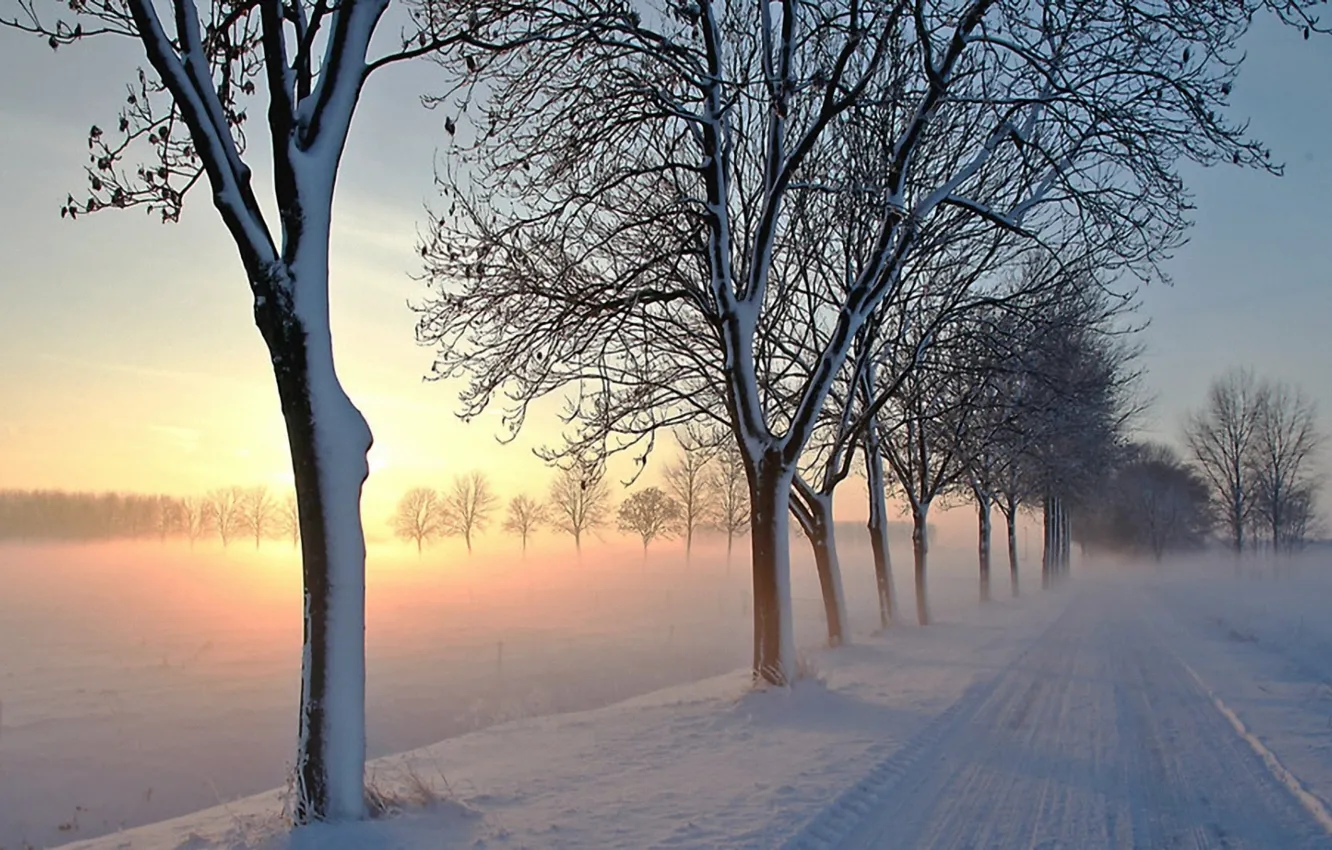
226, 513
1249, 480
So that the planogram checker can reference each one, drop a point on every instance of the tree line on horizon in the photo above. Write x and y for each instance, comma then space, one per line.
704, 489
225, 513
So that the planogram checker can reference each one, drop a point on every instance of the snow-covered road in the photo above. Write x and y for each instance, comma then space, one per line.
1099, 735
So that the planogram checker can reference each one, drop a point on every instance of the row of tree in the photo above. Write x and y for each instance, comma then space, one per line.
760, 220
228, 513
704, 489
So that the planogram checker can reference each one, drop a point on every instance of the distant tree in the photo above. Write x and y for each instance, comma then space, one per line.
688, 481
259, 513
289, 519
225, 512
578, 498
1285, 444
923, 449
1153, 503
1221, 437
730, 494
650, 514
1301, 516
419, 516
195, 517
524, 516
468, 506
168, 517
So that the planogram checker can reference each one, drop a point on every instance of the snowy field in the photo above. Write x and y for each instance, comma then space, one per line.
1186, 705
158, 680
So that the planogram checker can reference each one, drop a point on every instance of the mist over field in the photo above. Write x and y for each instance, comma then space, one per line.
161, 678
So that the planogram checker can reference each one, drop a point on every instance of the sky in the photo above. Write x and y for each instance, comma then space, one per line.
129, 359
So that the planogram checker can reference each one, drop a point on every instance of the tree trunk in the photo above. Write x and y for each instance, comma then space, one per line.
878, 529
983, 544
920, 549
329, 442
1237, 526
1047, 545
1010, 520
774, 638
817, 525
1065, 540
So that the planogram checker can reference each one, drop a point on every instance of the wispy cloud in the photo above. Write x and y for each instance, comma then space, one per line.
179, 437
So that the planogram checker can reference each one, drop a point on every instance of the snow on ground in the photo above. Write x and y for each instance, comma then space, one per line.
1260, 639
710, 764
1185, 705
1097, 737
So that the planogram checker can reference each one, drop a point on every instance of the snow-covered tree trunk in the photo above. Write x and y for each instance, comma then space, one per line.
814, 512
774, 636
983, 542
878, 528
329, 441
920, 549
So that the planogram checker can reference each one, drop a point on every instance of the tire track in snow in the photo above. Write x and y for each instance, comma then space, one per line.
1306, 798
1092, 737
849, 810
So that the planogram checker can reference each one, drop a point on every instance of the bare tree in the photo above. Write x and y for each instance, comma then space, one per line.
289, 519
1286, 442
525, 515
924, 451
469, 506
650, 514
876, 482
226, 512
419, 516
167, 515
730, 493
1152, 503
259, 513
212, 66
578, 498
638, 248
1221, 438
688, 481
195, 517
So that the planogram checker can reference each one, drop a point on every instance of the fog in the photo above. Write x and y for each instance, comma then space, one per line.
140, 681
